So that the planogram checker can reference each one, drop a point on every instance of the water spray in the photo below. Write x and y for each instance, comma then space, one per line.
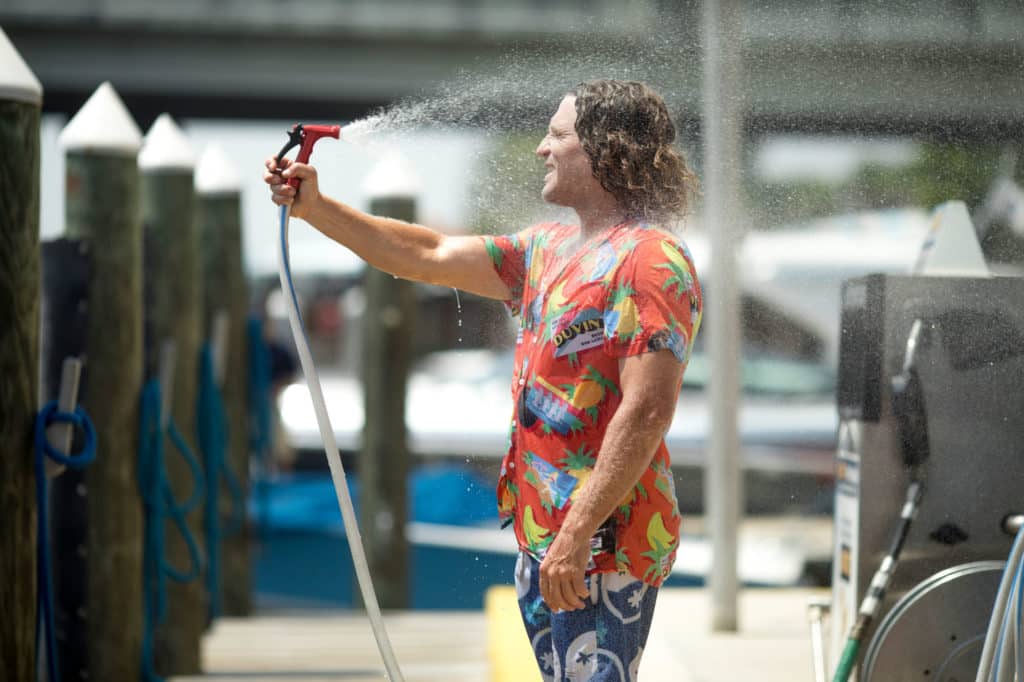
305, 137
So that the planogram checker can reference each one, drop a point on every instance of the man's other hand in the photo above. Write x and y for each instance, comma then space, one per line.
562, 571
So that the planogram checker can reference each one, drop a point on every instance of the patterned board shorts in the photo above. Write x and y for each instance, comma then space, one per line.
602, 642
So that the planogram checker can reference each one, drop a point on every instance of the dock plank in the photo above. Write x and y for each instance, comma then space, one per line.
772, 644
431, 646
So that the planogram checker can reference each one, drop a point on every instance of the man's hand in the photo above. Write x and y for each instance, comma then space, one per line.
562, 571
302, 199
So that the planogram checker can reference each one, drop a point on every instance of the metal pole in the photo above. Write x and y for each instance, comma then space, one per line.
722, 215
817, 609
20, 103
61, 433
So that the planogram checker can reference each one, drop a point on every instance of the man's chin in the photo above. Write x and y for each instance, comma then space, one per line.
550, 196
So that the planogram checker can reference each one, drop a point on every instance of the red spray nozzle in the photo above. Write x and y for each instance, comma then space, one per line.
306, 136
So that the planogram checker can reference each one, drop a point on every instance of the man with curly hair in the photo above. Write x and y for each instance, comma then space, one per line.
608, 309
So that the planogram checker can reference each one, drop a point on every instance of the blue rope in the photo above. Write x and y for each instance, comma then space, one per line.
260, 423
159, 503
213, 443
44, 587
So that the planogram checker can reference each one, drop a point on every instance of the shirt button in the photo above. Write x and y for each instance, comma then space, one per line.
522, 382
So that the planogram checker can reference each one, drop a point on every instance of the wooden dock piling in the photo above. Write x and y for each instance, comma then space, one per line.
174, 301
225, 290
388, 326
20, 102
102, 211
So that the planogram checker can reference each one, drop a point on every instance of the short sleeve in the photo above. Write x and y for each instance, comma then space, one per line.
509, 254
654, 301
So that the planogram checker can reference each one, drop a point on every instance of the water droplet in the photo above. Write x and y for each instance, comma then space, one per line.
458, 310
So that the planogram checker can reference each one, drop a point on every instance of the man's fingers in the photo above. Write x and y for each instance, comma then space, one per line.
564, 596
545, 592
580, 587
551, 592
562, 590
569, 595
282, 194
274, 166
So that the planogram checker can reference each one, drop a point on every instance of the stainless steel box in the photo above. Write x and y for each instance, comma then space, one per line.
970, 362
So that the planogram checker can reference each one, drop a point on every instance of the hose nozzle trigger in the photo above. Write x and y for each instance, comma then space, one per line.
306, 136
294, 140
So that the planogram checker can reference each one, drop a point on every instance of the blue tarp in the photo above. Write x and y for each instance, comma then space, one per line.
438, 493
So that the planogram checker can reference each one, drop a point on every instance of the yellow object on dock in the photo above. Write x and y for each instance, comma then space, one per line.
508, 649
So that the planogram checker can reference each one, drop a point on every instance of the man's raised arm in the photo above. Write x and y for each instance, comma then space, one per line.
403, 249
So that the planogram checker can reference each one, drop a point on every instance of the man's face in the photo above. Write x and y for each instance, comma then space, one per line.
569, 180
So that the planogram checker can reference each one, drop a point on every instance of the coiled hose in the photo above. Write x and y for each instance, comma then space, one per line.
44, 588
996, 640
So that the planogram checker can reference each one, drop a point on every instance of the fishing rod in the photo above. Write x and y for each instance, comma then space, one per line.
305, 137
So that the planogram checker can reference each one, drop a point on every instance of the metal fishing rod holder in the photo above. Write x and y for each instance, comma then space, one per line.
931, 386
66, 270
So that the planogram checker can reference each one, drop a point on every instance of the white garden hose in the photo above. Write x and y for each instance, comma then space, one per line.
348, 514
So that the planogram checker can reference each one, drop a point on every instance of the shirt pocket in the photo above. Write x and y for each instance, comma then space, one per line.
553, 485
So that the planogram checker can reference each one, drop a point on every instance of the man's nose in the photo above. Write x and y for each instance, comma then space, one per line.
542, 149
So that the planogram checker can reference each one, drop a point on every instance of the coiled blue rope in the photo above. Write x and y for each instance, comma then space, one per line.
159, 503
213, 443
260, 423
44, 589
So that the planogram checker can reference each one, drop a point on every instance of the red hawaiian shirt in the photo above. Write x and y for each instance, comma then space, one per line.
582, 307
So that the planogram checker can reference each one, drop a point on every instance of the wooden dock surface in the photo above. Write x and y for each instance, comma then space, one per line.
312, 646
772, 646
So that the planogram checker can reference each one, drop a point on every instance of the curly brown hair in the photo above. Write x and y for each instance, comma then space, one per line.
626, 130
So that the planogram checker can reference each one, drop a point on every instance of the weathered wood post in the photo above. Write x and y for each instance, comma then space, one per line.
20, 99
225, 291
173, 304
387, 353
102, 211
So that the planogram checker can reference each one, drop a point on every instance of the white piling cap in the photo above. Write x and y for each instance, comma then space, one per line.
951, 248
392, 177
17, 82
166, 147
103, 124
215, 174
